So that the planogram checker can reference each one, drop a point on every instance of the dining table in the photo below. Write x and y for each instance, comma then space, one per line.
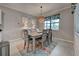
35, 35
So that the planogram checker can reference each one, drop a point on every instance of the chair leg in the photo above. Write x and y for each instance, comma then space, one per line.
32, 46
42, 45
24, 44
27, 46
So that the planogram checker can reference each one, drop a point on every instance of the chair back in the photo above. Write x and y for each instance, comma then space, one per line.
44, 31
25, 33
50, 35
44, 37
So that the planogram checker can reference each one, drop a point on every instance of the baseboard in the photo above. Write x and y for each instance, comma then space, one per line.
15, 40
53, 38
64, 40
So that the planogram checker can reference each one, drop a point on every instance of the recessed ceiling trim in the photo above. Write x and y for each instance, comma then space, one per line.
56, 11
34, 9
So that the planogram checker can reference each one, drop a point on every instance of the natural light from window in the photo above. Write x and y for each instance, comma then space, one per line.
51, 24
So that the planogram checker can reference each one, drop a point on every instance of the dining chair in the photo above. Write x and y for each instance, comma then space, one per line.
27, 40
44, 39
50, 35
47, 36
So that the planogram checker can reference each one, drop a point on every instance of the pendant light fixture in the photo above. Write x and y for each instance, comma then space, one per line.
41, 17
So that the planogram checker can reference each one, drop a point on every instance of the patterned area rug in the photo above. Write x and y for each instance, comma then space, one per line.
46, 51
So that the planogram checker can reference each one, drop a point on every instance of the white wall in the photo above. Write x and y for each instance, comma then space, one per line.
76, 17
66, 30
12, 23
76, 31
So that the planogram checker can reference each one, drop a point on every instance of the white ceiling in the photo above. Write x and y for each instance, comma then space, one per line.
34, 8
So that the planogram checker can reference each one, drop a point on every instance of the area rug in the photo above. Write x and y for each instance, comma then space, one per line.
46, 51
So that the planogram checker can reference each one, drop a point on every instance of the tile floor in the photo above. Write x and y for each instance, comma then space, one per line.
61, 49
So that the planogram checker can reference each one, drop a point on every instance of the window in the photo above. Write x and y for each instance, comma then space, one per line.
52, 22
47, 24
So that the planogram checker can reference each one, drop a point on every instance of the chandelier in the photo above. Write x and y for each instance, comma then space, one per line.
41, 17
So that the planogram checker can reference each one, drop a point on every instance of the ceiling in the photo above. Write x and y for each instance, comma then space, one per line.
34, 8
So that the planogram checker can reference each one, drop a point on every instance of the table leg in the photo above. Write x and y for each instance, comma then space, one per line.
27, 44
33, 44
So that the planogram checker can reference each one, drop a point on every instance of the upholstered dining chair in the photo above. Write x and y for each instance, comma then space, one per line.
27, 40
47, 39
50, 35
44, 38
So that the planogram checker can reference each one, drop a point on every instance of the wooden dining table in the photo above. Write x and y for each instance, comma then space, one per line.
35, 35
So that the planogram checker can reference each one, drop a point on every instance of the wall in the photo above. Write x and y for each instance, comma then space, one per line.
12, 23
76, 31
66, 25
76, 17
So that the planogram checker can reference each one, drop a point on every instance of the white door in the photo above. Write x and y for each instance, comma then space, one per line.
0, 37
0, 17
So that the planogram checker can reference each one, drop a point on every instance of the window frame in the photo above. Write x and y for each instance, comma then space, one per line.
50, 19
